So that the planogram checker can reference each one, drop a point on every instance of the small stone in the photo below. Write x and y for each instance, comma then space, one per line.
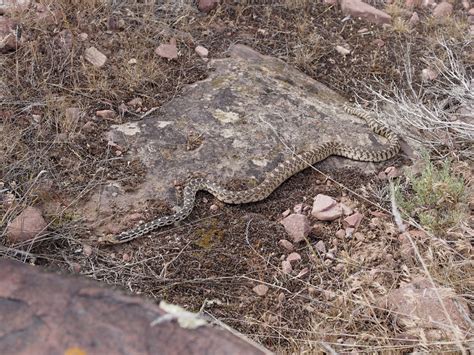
321, 247
72, 116
201, 51
286, 267
412, 3
260, 290
132, 61
168, 51
443, 9
293, 257
353, 220
349, 232
95, 57
297, 226
428, 74
89, 126
137, 101
339, 267
286, 244
281, 297
358, 8
342, 50
341, 233
378, 42
329, 255
414, 19
9, 35
213, 207
392, 172
346, 210
27, 225
86, 249
286, 213
106, 114
325, 208
83, 36
207, 5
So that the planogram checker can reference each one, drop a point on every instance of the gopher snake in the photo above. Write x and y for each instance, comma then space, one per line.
274, 179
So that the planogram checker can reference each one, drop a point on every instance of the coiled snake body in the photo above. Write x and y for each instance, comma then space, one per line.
274, 179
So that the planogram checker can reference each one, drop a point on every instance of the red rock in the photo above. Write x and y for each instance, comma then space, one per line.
443, 9
27, 225
353, 220
286, 244
357, 8
207, 5
297, 226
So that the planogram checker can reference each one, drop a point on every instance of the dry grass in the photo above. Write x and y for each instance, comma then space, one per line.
212, 263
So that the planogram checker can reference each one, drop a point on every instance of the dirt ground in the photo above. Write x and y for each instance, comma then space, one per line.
213, 260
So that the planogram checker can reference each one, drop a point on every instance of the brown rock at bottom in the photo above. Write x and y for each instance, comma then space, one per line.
44, 313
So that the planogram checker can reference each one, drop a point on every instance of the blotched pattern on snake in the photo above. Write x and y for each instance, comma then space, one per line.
274, 178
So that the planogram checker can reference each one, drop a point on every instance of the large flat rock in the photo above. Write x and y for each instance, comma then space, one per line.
44, 313
239, 123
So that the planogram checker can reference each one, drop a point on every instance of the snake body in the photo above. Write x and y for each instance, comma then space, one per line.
274, 178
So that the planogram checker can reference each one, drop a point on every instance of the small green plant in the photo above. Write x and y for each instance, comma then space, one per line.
436, 197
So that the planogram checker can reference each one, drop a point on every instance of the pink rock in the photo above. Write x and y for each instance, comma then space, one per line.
353, 220
293, 257
414, 19
286, 267
207, 5
297, 226
357, 8
330, 2
260, 290
27, 225
321, 247
392, 172
201, 51
87, 249
325, 208
341, 233
286, 244
443, 9
428, 74
286, 213
168, 51
106, 114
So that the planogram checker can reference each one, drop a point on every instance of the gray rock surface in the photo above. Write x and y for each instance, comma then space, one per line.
238, 123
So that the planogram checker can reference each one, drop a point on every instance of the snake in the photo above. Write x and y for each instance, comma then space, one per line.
273, 179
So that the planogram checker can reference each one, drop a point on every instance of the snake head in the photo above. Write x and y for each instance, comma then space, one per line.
108, 239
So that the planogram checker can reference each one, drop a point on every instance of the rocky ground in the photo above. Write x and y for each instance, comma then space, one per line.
327, 262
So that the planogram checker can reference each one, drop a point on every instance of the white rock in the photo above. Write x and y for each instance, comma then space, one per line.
95, 57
